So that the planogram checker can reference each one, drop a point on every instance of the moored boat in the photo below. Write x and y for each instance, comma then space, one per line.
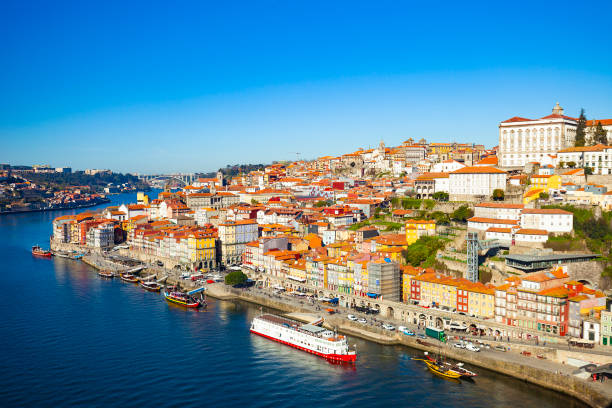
151, 286
106, 274
440, 370
128, 277
38, 251
306, 337
454, 367
182, 299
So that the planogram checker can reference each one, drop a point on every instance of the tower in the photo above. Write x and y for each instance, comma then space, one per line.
557, 110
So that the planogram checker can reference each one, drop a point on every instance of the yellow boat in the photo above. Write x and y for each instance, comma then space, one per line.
436, 369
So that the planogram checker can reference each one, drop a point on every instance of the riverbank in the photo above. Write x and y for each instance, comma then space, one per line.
543, 373
66, 207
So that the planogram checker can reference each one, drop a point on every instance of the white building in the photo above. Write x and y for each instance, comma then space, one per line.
472, 182
523, 140
101, 236
502, 211
551, 220
598, 157
447, 166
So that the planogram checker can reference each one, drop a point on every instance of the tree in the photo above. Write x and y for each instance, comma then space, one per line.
544, 196
599, 134
587, 172
235, 278
320, 204
462, 213
498, 194
571, 164
254, 201
581, 130
561, 165
440, 196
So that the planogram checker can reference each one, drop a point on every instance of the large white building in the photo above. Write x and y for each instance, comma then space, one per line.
523, 140
551, 220
469, 183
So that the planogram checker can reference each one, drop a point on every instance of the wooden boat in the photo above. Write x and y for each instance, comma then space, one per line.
440, 370
106, 274
151, 286
38, 251
455, 367
182, 299
128, 277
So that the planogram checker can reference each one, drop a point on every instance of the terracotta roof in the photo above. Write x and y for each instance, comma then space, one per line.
493, 221
489, 160
531, 231
596, 148
501, 205
545, 211
478, 169
504, 230
516, 119
604, 122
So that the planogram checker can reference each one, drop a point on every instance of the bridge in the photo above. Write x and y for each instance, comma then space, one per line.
184, 178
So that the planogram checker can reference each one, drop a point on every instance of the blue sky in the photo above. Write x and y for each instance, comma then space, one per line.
193, 86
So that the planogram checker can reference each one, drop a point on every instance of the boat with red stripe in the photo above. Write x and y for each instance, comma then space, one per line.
306, 337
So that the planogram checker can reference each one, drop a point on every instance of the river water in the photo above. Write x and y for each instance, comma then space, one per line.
69, 338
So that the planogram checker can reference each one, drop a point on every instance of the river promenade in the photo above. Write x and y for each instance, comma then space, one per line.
543, 372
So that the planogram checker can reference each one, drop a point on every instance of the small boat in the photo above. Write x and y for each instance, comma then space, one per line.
151, 286
455, 367
61, 254
128, 277
106, 274
38, 251
183, 299
440, 370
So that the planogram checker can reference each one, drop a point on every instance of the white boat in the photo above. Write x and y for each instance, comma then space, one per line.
306, 337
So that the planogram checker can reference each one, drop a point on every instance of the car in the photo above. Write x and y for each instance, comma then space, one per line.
405, 331
352, 317
459, 345
472, 347
421, 336
500, 348
388, 326
362, 320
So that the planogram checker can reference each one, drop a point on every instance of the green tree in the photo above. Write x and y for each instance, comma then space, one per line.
320, 204
544, 196
498, 194
254, 201
440, 196
599, 134
462, 213
235, 278
571, 164
581, 130
561, 165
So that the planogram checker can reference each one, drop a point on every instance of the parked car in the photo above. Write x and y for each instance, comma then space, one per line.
500, 348
362, 320
472, 347
352, 317
421, 336
459, 345
405, 330
388, 326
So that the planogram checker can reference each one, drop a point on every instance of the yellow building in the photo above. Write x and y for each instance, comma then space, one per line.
201, 247
418, 228
546, 182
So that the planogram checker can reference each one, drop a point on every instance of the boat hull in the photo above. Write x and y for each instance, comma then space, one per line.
344, 358
180, 303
